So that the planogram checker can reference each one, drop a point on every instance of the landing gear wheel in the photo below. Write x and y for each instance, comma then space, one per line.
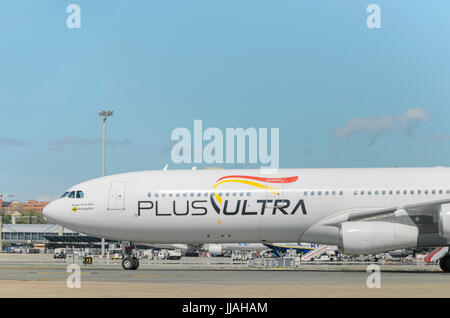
129, 257
135, 263
444, 263
128, 264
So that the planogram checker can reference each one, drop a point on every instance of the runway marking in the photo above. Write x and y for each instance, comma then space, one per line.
38, 267
61, 272
143, 276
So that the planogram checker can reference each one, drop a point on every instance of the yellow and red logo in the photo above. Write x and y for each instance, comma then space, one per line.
257, 182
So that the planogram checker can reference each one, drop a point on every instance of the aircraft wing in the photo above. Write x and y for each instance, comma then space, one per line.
421, 212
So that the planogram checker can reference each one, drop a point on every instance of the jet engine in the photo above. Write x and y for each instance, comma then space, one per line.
374, 237
215, 249
444, 220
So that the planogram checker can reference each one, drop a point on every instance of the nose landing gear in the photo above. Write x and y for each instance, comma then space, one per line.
129, 258
444, 263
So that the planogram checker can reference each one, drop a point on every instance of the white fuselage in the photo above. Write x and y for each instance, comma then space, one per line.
232, 206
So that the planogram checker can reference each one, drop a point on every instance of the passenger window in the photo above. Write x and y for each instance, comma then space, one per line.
341, 192
80, 195
333, 193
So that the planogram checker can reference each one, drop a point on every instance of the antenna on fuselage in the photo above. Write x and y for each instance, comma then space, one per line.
165, 167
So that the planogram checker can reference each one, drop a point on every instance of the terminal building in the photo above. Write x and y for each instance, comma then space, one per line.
36, 233
45, 237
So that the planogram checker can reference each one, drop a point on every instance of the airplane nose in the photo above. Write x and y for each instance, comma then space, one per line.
50, 211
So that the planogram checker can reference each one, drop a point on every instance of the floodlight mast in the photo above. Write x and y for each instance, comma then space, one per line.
105, 114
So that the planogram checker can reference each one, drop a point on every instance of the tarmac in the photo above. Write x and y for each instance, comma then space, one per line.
39, 275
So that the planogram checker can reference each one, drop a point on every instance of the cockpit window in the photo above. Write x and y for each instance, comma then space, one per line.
73, 194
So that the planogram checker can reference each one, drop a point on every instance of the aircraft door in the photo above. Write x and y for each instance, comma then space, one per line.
117, 196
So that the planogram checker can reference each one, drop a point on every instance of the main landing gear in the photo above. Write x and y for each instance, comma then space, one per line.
129, 258
444, 263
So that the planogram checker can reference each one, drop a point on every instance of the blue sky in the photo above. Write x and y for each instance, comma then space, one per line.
309, 68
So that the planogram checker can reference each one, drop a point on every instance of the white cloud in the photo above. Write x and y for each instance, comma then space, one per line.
373, 127
11, 142
59, 144
444, 138
45, 198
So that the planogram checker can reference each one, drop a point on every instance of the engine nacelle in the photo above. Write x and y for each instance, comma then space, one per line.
444, 220
375, 237
215, 249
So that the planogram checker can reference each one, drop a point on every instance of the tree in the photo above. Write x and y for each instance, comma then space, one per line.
6, 219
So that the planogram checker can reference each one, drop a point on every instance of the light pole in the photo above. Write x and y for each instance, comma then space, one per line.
1, 233
105, 114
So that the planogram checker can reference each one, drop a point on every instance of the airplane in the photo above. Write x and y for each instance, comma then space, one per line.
220, 248
300, 248
360, 210
188, 249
